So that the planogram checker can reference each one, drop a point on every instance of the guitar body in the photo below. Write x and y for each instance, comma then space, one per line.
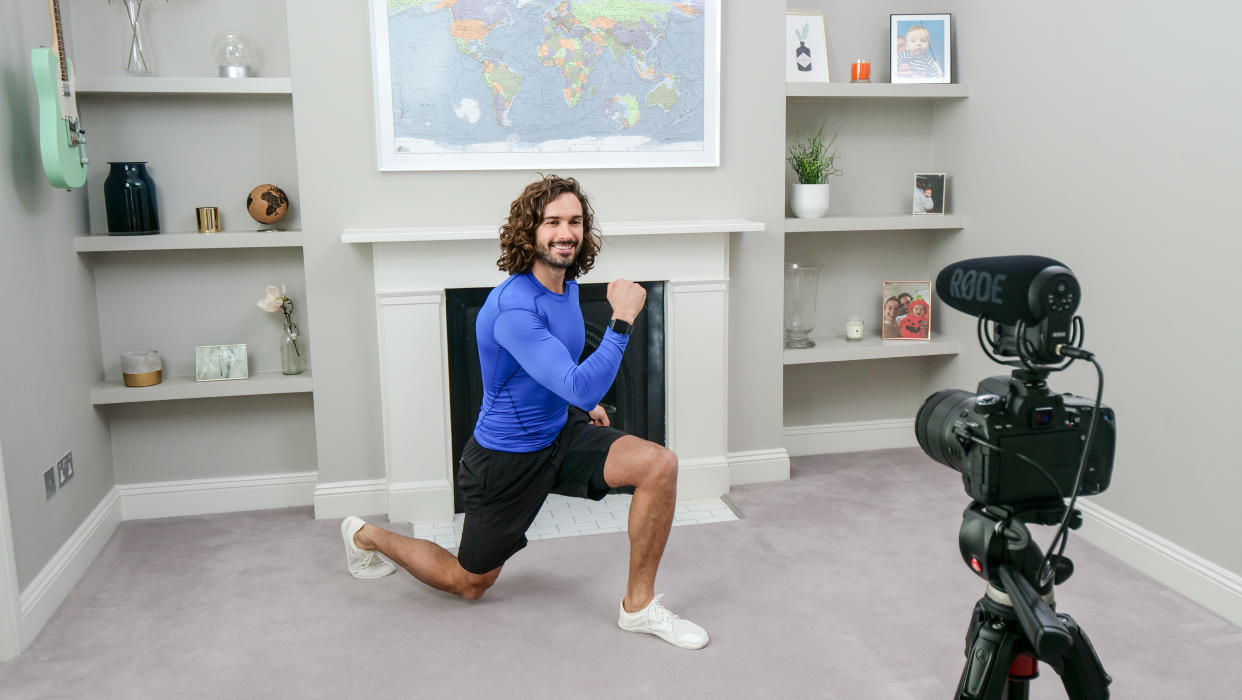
60, 140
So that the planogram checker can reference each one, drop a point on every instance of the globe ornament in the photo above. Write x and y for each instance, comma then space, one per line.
267, 204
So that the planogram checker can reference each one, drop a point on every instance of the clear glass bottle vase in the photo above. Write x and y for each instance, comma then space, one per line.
292, 361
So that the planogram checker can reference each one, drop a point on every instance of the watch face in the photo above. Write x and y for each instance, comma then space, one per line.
619, 326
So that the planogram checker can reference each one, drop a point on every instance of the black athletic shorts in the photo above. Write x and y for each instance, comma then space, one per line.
502, 492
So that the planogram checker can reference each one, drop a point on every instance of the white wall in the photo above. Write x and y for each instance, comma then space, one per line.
49, 333
341, 188
1112, 145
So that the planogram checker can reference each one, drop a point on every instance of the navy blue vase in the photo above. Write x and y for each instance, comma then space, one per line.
129, 197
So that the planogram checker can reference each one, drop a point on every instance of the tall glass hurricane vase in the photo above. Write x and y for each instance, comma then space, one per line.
801, 295
136, 61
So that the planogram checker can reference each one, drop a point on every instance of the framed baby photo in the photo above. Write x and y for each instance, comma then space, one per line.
216, 362
905, 312
921, 48
929, 193
806, 48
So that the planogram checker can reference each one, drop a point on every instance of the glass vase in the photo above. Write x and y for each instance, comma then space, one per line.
291, 359
801, 295
129, 199
136, 61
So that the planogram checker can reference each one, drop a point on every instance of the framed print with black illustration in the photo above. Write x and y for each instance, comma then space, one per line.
806, 48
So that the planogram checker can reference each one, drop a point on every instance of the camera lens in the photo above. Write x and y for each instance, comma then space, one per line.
933, 426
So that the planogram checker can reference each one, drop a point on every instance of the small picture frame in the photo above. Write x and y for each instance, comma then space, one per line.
929, 193
921, 48
905, 311
219, 362
806, 48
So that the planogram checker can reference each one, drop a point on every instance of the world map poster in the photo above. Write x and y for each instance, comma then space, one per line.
495, 84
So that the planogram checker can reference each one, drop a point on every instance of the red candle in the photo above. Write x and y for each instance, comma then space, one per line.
860, 71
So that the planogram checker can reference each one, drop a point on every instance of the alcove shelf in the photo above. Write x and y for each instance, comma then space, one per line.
175, 388
880, 91
835, 348
147, 85
877, 222
188, 240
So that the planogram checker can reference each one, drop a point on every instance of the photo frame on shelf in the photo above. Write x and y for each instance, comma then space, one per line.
219, 362
806, 48
929, 193
905, 311
921, 48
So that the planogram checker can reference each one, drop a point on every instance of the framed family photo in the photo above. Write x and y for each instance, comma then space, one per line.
921, 48
806, 48
905, 313
929, 193
217, 362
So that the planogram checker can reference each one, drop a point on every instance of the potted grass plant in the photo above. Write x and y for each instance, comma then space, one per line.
812, 160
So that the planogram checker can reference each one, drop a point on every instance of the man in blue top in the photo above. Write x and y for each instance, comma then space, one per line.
540, 428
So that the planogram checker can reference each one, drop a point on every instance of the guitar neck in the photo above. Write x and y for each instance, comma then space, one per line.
58, 40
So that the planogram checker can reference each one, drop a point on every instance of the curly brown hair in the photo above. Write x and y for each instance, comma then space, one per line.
517, 235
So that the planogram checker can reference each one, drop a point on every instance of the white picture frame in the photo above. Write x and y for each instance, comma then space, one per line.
806, 48
930, 58
213, 363
930, 193
454, 133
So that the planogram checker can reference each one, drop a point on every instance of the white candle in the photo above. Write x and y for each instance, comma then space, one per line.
853, 328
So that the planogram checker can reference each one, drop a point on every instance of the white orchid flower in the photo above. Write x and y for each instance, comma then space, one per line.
274, 300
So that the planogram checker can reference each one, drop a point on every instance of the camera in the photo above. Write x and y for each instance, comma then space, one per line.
1016, 443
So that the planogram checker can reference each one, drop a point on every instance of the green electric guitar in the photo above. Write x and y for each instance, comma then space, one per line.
61, 137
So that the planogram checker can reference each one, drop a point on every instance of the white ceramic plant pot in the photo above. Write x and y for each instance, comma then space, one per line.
808, 201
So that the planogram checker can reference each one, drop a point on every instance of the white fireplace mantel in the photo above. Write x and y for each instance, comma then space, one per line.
413, 267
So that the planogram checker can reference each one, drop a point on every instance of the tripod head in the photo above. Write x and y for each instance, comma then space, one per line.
996, 544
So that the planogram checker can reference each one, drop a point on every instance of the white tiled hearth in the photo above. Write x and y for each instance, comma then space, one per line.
413, 267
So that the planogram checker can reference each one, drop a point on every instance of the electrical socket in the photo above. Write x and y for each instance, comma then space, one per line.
64, 469
49, 482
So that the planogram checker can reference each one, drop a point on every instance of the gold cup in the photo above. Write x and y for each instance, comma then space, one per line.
208, 219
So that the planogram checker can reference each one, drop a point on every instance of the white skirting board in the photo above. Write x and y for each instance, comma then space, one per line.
830, 438
339, 499
49, 589
758, 466
1183, 571
166, 499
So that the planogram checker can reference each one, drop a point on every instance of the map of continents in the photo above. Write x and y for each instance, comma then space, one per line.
513, 76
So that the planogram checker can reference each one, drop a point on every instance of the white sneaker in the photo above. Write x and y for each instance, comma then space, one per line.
361, 563
658, 620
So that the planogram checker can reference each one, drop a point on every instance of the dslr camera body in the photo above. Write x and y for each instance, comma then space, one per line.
981, 434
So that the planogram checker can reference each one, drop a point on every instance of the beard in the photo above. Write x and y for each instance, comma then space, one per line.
554, 260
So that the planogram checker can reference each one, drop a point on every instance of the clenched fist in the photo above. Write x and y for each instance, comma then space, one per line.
627, 299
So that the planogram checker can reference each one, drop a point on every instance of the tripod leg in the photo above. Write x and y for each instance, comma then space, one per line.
1082, 674
990, 650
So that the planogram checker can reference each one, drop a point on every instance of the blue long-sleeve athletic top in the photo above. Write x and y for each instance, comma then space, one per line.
529, 343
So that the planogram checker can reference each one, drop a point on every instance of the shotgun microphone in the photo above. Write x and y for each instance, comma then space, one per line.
1037, 294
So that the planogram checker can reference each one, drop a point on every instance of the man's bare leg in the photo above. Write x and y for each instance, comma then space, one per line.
426, 561
652, 471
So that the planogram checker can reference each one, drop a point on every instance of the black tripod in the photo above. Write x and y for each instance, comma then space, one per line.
1013, 625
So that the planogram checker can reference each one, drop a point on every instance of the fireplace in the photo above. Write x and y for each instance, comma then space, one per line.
635, 402
415, 269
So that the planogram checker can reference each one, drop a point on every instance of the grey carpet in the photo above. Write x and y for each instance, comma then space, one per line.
843, 582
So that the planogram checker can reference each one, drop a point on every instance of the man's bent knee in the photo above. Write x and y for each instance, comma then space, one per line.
663, 470
473, 586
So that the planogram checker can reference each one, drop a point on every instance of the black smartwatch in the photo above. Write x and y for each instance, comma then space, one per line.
620, 327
